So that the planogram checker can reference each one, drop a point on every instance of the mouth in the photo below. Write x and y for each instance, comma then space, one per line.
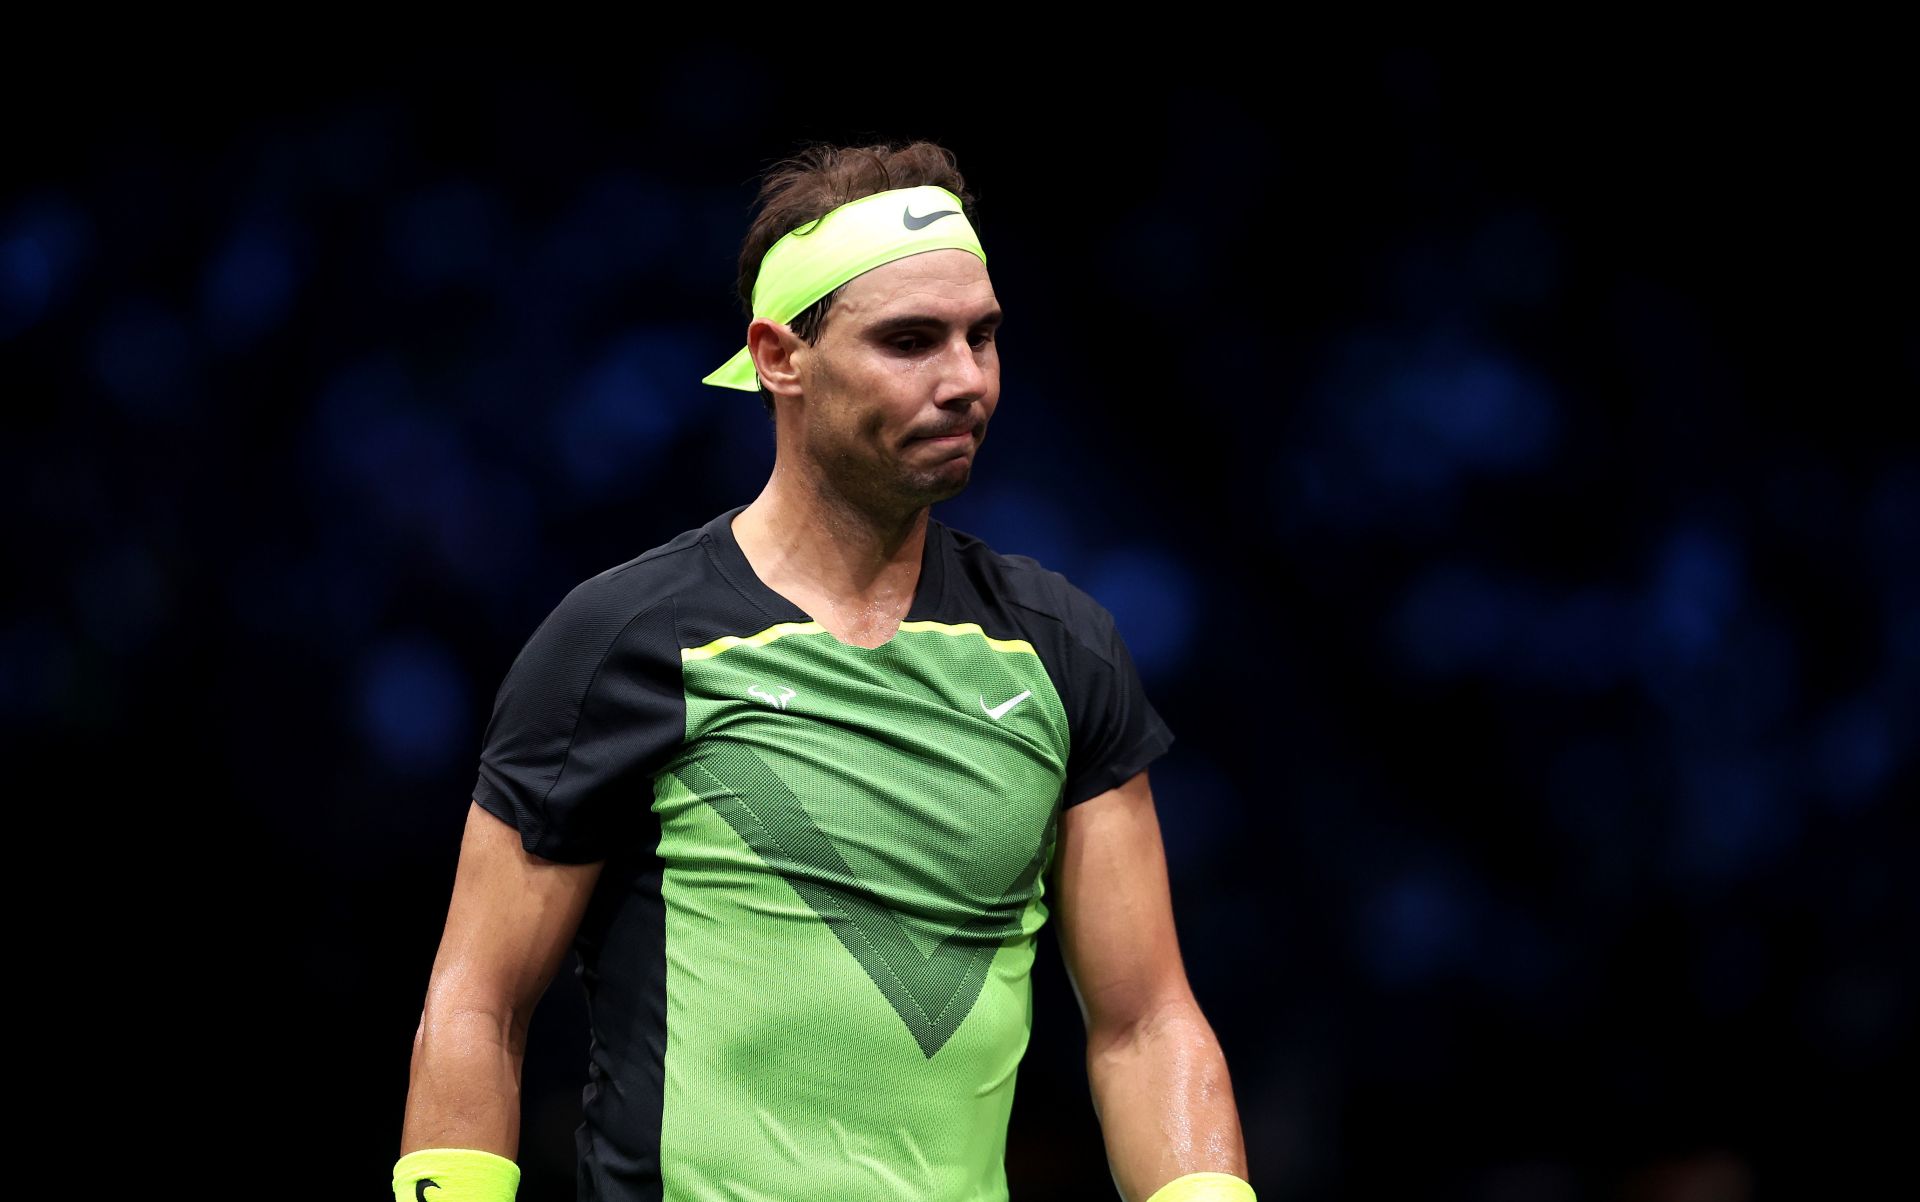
948, 437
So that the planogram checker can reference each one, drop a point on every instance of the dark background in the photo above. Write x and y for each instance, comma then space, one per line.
1501, 466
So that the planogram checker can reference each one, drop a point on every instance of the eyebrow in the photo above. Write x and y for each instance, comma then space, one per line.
916, 321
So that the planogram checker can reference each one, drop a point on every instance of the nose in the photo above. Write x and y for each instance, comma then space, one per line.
967, 374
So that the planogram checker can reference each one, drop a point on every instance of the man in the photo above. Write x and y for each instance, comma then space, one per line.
795, 783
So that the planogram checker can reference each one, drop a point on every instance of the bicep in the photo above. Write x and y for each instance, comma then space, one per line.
509, 923
1115, 910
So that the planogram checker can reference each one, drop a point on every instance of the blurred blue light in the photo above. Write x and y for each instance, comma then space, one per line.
1696, 590
1902, 622
1856, 1012
414, 475
616, 233
627, 411
122, 596
36, 669
1579, 643
19, 656
707, 247
1155, 257
26, 282
739, 445
1396, 450
392, 456
447, 234
351, 587
1299, 491
41, 247
489, 521
249, 284
1593, 788
1151, 596
714, 90
1734, 816
1516, 257
1415, 927
328, 597
145, 359
1431, 285
1200, 813
412, 705
1730, 971
1015, 519
1453, 620
1409, 416
1742, 692
1477, 408
1853, 752
1599, 804
348, 413
355, 147
1514, 956
272, 594
1893, 517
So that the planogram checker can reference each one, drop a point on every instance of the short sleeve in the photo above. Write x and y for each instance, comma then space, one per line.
591, 708
1116, 732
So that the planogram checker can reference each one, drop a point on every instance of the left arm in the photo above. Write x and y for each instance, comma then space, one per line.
1159, 1080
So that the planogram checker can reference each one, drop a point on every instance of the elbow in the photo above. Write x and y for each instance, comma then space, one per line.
471, 1020
1175, 1016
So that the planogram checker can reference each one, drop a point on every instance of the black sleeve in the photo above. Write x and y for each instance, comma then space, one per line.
1116, 732
590, 710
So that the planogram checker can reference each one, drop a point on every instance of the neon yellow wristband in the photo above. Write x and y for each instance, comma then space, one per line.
1204, 1187
454, 1175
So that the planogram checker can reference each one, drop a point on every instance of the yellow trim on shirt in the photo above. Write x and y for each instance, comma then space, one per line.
1007, 645
782, 629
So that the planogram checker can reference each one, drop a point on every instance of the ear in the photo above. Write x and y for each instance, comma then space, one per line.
774, 347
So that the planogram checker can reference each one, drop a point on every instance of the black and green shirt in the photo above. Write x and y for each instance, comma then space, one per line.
806, 959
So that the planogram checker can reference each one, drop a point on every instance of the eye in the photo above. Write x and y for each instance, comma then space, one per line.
981, 339
908, 343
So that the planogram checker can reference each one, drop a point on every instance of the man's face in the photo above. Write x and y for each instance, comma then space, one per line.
902, 379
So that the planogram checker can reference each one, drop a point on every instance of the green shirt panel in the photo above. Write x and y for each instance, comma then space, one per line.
853, 852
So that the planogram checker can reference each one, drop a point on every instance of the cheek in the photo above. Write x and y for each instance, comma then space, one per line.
852, 425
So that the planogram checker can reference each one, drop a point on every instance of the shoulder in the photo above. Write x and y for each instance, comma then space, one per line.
640, 582
1025, 583
595, 613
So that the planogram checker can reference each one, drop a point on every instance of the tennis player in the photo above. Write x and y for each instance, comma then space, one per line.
801, 785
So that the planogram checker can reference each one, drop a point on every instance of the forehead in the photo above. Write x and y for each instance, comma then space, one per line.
948, 283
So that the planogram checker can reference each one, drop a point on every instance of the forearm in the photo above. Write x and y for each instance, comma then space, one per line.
464, 1086
1165, 1101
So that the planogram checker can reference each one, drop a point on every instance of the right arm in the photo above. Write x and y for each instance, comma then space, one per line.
512, 917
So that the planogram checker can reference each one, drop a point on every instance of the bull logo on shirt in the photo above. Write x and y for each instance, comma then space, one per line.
776, 700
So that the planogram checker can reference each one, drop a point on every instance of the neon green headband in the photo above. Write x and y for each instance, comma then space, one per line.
814, 259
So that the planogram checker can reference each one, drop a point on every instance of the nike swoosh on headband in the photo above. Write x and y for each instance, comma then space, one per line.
919, 223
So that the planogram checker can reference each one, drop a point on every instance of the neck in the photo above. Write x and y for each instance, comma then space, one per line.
820, 548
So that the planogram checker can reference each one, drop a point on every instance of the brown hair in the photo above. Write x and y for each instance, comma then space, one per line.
818, 179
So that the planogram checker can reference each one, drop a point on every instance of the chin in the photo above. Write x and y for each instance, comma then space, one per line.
939, 486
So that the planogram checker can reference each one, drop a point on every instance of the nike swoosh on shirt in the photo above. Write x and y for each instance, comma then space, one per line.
1000, 711
919, 223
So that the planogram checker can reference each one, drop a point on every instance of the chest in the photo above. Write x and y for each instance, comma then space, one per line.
936, 758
